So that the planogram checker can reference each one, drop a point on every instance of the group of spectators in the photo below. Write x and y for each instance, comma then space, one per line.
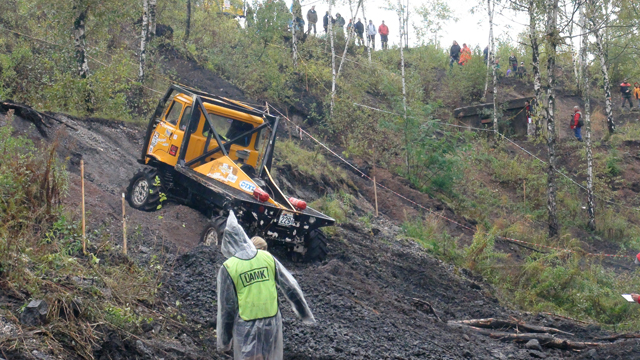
338, 27
627, 92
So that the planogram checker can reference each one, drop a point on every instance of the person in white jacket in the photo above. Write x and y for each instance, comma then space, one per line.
371, 34
249, 318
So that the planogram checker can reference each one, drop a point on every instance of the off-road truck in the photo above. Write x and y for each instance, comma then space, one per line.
215, 155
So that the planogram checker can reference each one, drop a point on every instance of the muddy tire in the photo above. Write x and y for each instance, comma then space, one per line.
143, 192
212, 234
316, 244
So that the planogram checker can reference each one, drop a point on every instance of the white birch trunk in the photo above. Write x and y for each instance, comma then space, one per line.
553, 39
350, 33
333, 63
535, 63
587, 122
605, 77
79, 40
143, 39
404, 89
152, 17
574, 57
294, 49
490, 61
364, 16
406, 27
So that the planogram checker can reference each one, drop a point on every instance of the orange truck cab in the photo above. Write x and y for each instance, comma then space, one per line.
215, 154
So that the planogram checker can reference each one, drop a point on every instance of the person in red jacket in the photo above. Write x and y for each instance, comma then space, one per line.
576, 122
625, 91
383, 30
465, 55
636, 297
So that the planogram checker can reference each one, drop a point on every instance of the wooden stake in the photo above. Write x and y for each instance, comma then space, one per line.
524, 190
375, 194
84, 233
124, 229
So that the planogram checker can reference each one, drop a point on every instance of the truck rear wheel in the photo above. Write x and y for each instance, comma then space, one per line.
316, 243
143, 192
212, 234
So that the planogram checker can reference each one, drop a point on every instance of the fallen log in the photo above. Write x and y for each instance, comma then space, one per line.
546, 340
492, 323
26, 113
431, 309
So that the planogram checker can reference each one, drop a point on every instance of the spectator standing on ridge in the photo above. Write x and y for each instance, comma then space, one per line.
522, 71
371, 34
513, 63
636, 93
312, 18
625, 90
454, 54
576, 122
325, 22
360, 31
249, 319
465, 55
485, 52
383, 30
339, 23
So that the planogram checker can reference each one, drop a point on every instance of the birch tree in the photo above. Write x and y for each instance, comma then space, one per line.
294, 48
81, 9
574, 56
434, 14
490, 61
333, 63
143, 39
535, 64
587, 118
553, 39
404, 89
364, 16
602, 55
350, 33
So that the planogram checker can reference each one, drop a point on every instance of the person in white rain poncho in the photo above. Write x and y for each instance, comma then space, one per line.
248, 310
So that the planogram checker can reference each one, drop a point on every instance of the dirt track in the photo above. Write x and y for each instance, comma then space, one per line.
363, 295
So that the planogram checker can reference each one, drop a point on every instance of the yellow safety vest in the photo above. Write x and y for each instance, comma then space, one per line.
255, 283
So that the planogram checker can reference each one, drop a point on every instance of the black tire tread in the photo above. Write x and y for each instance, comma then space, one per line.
217, 222
153, 200
316, 246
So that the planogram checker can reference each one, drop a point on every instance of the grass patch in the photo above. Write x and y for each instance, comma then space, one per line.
310, 163
41, 253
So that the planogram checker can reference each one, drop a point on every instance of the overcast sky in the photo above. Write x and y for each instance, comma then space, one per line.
472, 29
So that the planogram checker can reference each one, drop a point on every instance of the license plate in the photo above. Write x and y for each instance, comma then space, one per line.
286, 219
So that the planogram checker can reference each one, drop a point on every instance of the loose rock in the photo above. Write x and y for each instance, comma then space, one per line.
533, 344
35, 313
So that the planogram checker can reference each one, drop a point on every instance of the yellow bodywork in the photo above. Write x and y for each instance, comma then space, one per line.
166, 141
227, 172
168, 134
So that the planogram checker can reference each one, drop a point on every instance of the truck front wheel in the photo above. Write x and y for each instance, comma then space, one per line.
143, 192
316, 243
212, 234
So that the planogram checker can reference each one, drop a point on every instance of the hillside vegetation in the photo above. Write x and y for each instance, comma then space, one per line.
496, 188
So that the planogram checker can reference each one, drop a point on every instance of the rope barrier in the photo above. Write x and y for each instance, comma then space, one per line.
520, 148
364, 175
